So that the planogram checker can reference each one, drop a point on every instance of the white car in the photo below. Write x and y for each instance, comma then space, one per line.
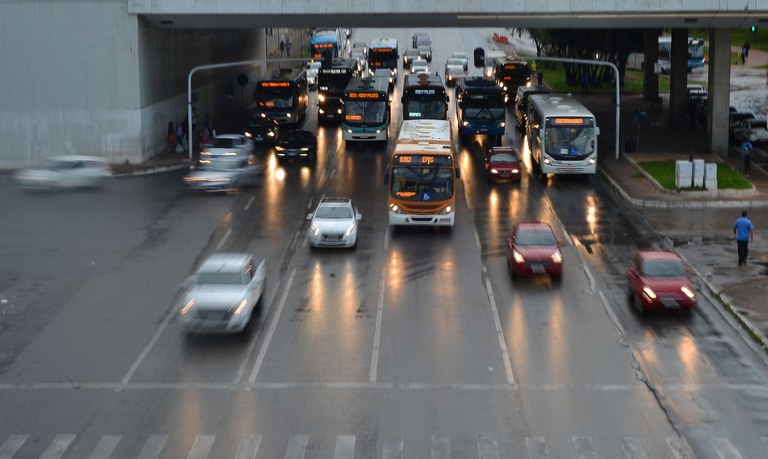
223, 174
223, 295
454, 71
235, 145
334, 223
311, 69
419, 66
65, 172
463, 57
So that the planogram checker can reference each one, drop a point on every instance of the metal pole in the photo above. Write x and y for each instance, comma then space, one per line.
257, 62
589, 62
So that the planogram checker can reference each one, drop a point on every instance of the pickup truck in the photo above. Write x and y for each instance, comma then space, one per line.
754, 130
224, 294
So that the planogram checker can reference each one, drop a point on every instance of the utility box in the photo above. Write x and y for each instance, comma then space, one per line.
683, 174
710, 176
698, 173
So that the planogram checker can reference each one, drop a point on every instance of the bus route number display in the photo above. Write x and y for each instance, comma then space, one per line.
569, 121
364, 95
422, 160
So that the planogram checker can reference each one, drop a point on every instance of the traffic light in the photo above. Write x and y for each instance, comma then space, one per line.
479, 56
754, 33
753, 29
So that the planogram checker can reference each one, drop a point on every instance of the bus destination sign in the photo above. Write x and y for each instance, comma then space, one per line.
424, 92
274, 84
364, 95
423, 160
569, 121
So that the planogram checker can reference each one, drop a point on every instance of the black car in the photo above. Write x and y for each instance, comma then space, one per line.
263, 129
297, 143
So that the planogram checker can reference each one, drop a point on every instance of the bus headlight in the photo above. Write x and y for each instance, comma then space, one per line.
349, 131
547, 161
338, 111
447, 210
394, 208
321, 97
502, 124
271, 133
378, 131
248, 134
591, 160
304, 148
263, 115
287, 115
465, 123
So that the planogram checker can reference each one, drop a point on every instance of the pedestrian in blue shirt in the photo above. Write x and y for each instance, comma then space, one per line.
744, 231
746, 155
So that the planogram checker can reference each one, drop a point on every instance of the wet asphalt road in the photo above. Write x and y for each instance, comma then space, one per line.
416, 344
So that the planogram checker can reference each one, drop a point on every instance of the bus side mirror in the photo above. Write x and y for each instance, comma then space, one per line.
458, 173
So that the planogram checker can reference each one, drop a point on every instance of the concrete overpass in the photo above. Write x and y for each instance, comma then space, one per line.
104, 77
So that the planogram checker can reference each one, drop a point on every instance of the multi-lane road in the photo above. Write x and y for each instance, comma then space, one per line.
415, 345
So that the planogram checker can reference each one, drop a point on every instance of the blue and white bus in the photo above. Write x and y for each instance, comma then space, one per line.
562, 135
383, 54
326, 40
366, 110
283, 97
480, 107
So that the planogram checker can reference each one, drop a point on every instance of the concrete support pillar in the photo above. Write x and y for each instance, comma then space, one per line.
719, 90
678, 78
651, 57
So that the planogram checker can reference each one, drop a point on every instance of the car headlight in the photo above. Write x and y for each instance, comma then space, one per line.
321, 97
271, 133
688, 292
649, 293
229, 153
263, 115
515, 171
349, 231
465, 123
248, 134
187, 307
287, 115
304, 148
394, 208
321, 111
494, 171
518, 257
205, 153
338, 111
315, 230
557, 257
240, 307
446, 211
279, 148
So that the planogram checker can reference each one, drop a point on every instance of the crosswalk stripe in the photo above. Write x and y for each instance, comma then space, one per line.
249, 447
153, 446
584, 448
105, 446
725, 448
297, 447
201, 447
11, 445
634, 448
441, 447
345, 447
487, 448
58, 446
680, 448
393, 449
537, 448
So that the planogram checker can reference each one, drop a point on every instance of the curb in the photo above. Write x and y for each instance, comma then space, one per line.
153, 171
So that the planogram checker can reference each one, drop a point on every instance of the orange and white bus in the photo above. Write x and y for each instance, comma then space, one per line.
422, 175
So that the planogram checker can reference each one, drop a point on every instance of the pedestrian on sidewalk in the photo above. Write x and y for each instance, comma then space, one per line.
743, 55
181, 146
745, 233
746, 155
746, 47
171, 136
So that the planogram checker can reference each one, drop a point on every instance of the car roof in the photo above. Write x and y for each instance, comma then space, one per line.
459, 53
657, 254
336, 200
225, 261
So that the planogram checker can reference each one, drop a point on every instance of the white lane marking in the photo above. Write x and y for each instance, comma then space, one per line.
386, 238
477, 239
11, 445
633, 448
345, 447
201, 447
311, 200
591, 278
252, 346
249, 447
611, 314
166, 320
488, 448
224, 239
106, 446
725, 448
537, 448
373, 374
272, 327
297, 447
294, 239
680, 448
58, 446
441, 447
153, 447
584, 447
248, 204
393, 449
499, 332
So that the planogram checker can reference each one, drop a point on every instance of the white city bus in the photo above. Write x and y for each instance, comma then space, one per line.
562, 135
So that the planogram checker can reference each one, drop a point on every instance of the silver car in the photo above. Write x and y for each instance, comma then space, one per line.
463, 57
311, 68
223, 294
454, 71
419, 66
65, 172
238, 145
334, 223
223, 174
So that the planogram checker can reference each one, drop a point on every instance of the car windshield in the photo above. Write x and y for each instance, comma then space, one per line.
412, 52
422, 184
455, 62
219, 278
503, 158
333, 212
663, 268
59, 165
535, 237
222, 142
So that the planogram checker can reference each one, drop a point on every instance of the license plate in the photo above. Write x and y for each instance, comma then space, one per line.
670, 303
537, 269
258, 137
293, 153
504, 175
445, 220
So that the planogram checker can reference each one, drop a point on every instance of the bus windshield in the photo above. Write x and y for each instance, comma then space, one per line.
488, 106
432, 107
569, 142
272, 98
365, 112
422, 183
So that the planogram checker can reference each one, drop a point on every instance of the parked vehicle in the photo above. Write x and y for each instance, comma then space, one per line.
733, 119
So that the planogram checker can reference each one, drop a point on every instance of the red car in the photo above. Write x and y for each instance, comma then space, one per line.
533, 249
658, 280
502, 164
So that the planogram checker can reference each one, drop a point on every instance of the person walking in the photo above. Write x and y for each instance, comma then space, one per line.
743, 55
746, 47
746, 155
171, 136
745, 233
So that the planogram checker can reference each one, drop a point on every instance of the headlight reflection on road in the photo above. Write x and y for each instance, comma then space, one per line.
395, 272
689, 355
305, 176
591, 214
493, 216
